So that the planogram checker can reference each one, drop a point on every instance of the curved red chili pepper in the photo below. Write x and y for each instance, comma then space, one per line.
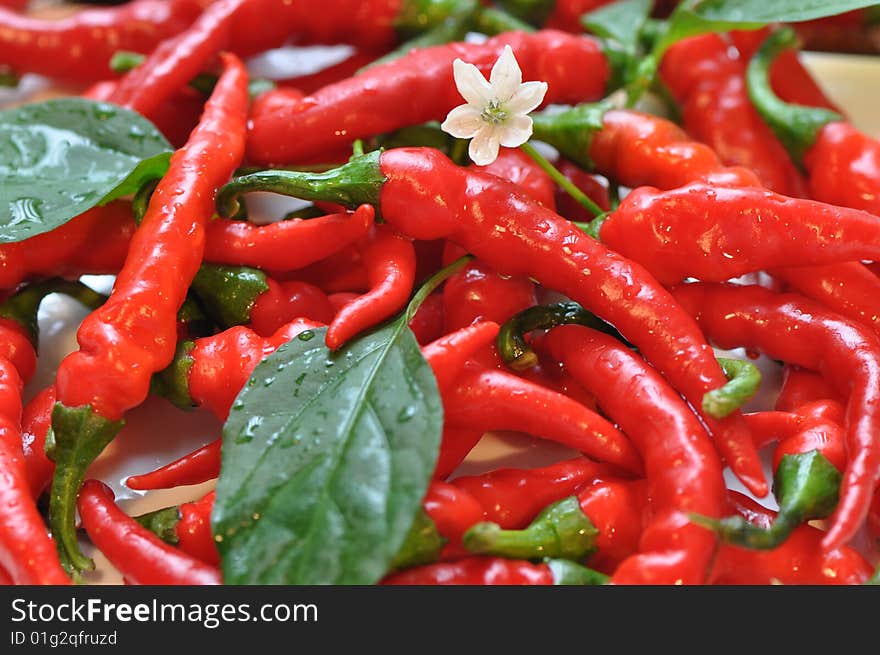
845, 353
390, 261
517, 236
79, 47
93, 243
137, 553
453, 511
199, 466
418, 88
285, 245
474, 571
27, 553
617, 509
512, 497
681, 464
844, 153
800, 559
488, 399
710, 86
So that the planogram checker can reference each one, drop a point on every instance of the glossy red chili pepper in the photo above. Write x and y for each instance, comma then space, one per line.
618, 509
36, 419
93, 243
801, 386
514, 165
163, 257
79, 47
512, 497
681, 464
716, 234
489, 399
199, 466
845, 353
424, 195
390, 261
27, 553
418, 88
823, 435
800, 560
137, 553
478, 293
453, 511
285, 245
194, 530
474, 571
177, 60
709, 85
133, 335
429, 322
286, 301
342, 272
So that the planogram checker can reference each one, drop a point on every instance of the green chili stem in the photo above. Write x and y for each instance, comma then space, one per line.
743, 377
565, 184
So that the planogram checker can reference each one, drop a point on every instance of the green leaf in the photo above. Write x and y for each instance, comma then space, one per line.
326, 459
620, 21
61, 157
775, 11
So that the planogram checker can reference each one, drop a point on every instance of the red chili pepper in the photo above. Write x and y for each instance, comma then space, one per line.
801, 560
429, 322
286, 301
512, 497
36, 419
93, 243
845, 353
681, 464
716, 234
194, 530
27, 553
285, 245
424, 195
710, 86
390, 261
515, 166
801, 386
342, 272
618, 510
133, 335
137, 553
79, 47
478, 293
474, 571
418, 88
453, 511
199, 466
487, 399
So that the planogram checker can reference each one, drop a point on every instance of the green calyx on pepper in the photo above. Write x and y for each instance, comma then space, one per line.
561, 530
796, 126
806, 486
743, 377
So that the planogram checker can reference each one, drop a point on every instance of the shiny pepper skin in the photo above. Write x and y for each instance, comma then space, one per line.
415, 89
474, 571
843, 153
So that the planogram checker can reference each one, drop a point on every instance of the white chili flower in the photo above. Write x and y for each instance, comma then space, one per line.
496, 113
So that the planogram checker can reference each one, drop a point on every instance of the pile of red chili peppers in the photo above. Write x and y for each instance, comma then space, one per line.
749, 223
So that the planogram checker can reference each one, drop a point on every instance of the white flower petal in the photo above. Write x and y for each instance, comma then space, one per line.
471, 84
483, 148
463, 122
506, 76
526, 98
516, 131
